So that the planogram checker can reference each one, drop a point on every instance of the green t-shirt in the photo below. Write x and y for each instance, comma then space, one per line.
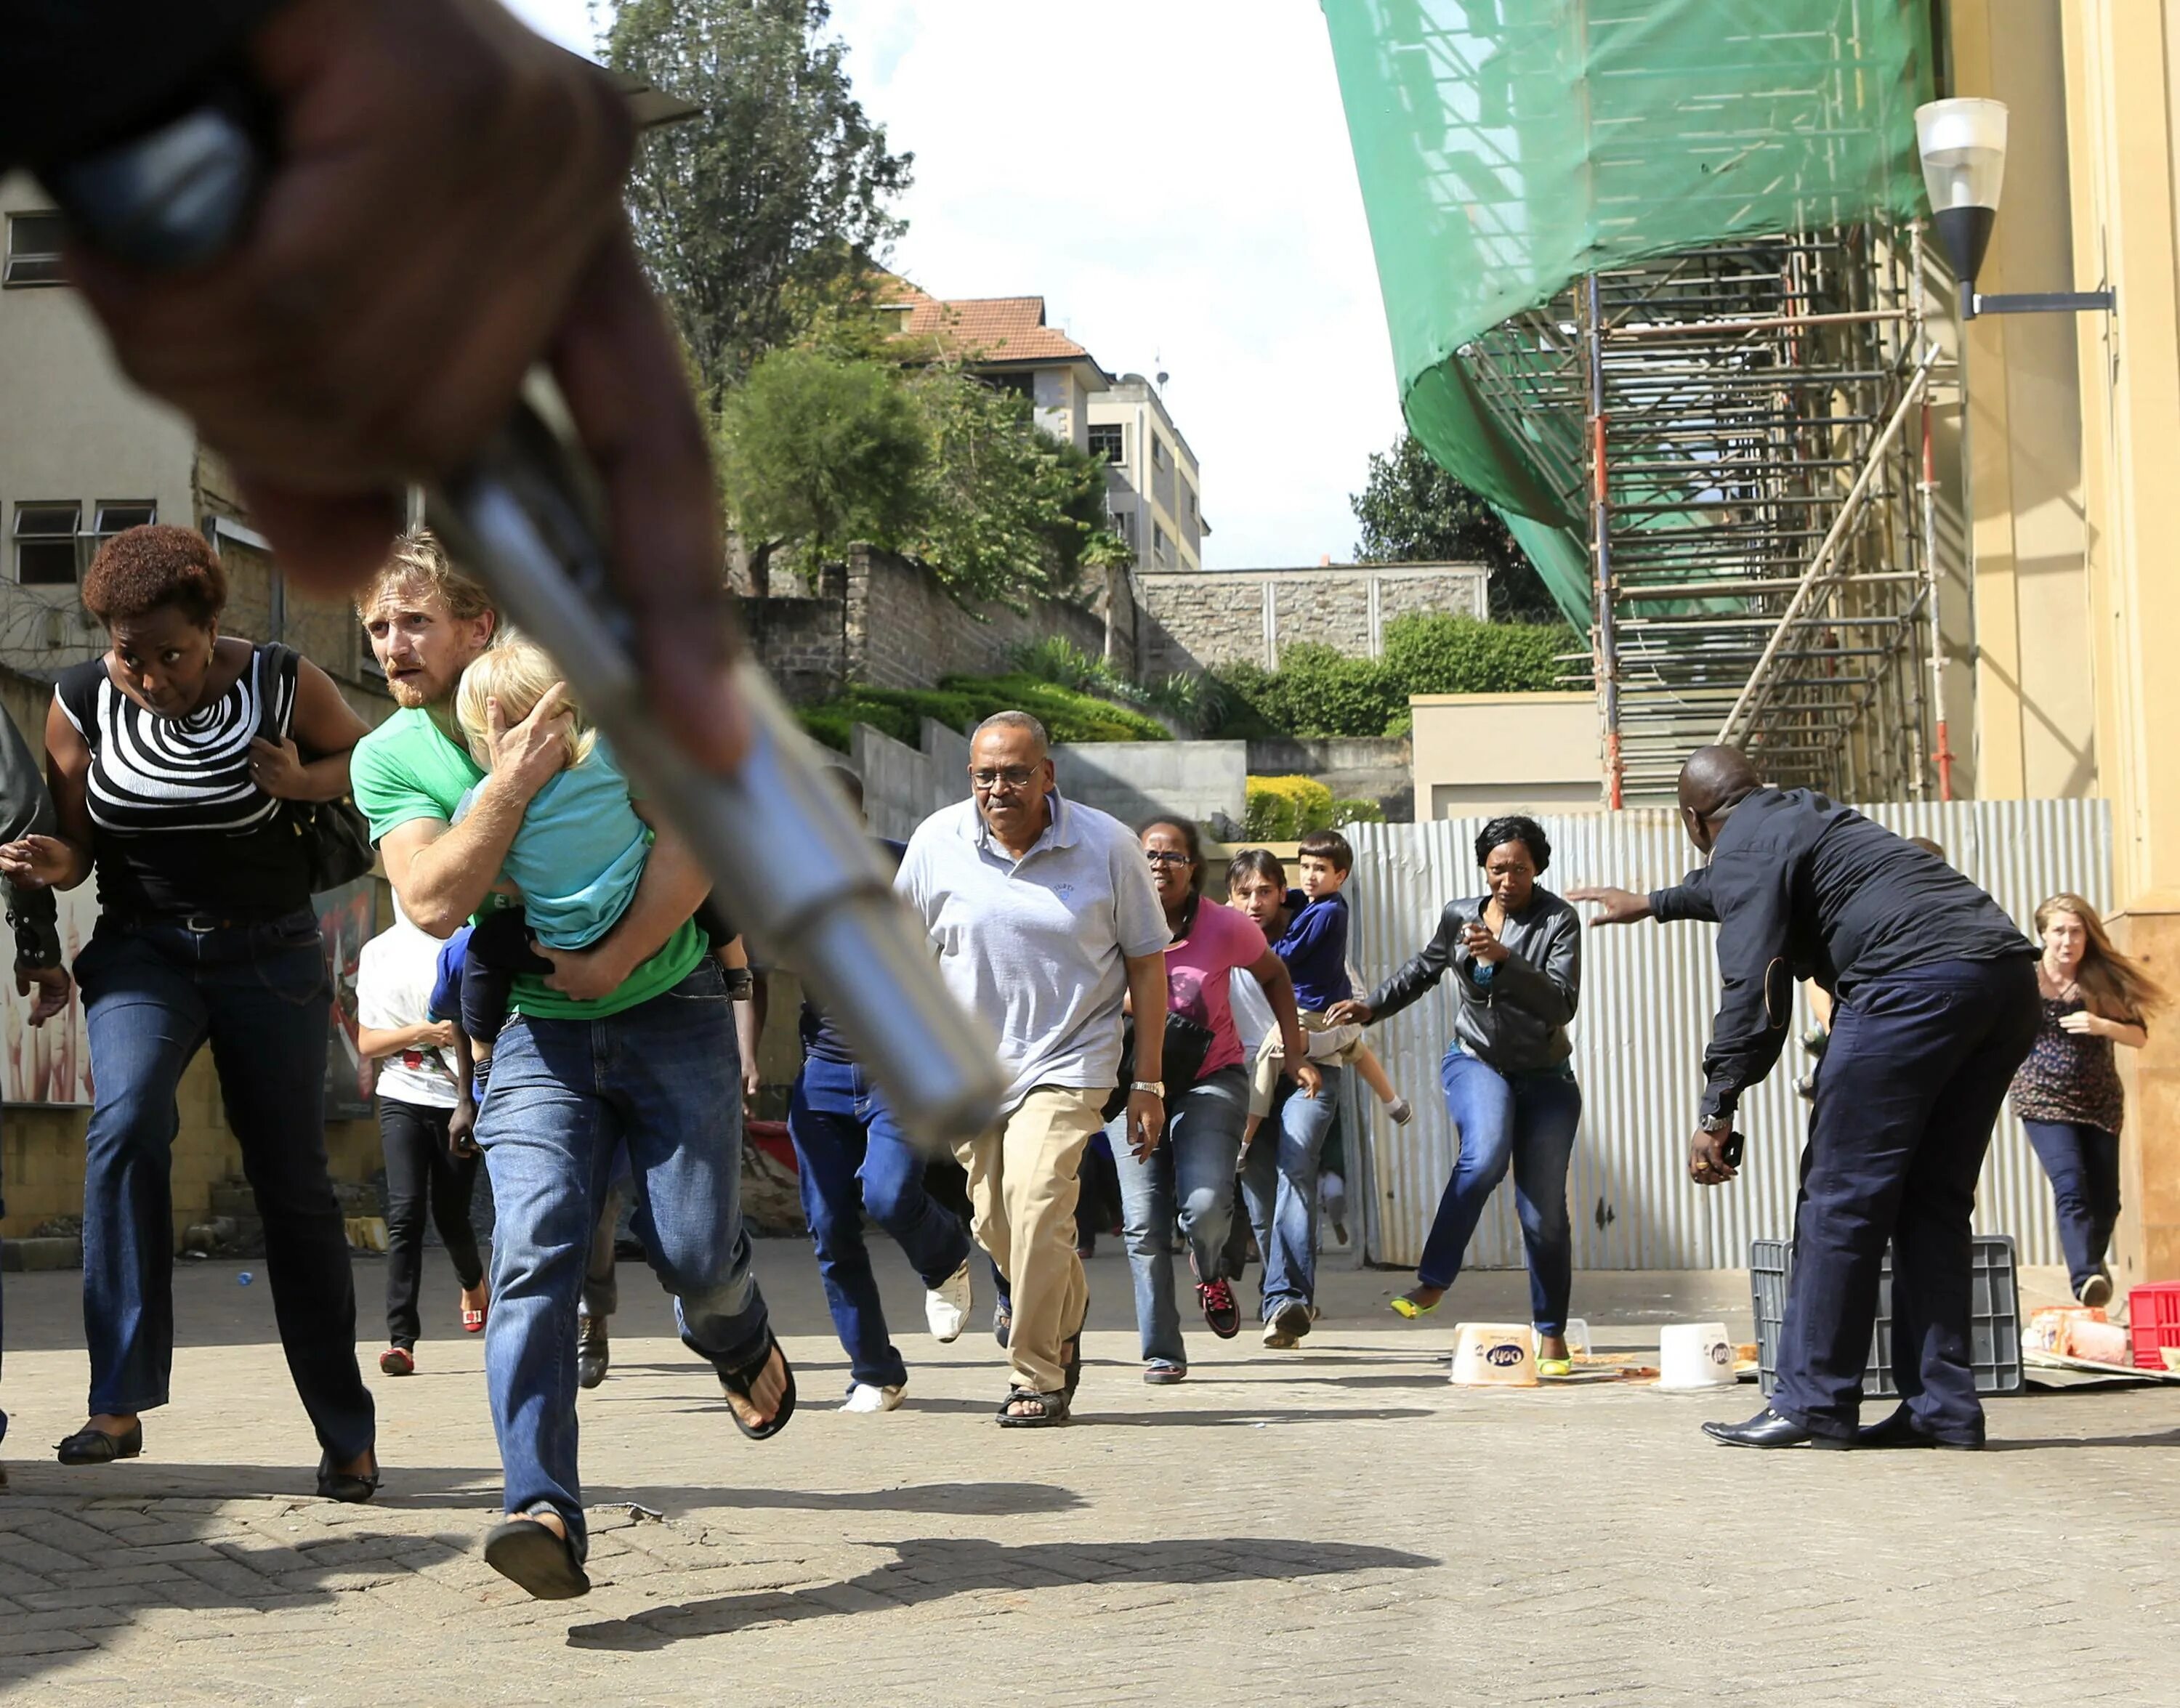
407, 769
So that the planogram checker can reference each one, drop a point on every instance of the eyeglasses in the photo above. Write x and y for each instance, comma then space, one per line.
1017, 778
1166, 857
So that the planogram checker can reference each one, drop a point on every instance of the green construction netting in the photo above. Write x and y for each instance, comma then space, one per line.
1508, 148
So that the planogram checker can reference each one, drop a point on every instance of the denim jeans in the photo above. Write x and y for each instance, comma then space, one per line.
1529, 1120
2083, 1164
665, 1079
153, 994
1190, 1173
853, 1158
419, 1170
1279, 1185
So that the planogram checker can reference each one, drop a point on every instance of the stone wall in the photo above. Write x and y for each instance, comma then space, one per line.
882, 621
1191, 622
1377, 768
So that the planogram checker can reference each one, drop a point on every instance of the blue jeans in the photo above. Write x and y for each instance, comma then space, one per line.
2083, 1164
1917, 1069
1528, 1120
853, 1158
662, 1078
1279, 1186
153, 994
1190, 1173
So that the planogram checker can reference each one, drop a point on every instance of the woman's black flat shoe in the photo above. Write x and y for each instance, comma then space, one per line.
345, 1485
90, 1446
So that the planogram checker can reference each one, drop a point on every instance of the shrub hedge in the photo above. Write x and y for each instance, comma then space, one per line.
962, 702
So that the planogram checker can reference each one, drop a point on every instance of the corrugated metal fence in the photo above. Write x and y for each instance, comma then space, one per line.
1648, 992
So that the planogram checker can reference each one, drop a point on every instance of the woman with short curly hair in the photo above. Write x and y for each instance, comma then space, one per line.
169, 757
1516, 955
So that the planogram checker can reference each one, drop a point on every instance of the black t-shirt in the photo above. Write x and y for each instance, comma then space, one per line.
178, 826
820, 1037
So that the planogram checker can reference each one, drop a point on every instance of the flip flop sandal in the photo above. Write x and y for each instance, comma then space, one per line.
1051, 1410
741, 1379
530, 1554
1403, 1305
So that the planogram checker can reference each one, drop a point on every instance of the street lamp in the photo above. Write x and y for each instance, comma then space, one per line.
1962, 143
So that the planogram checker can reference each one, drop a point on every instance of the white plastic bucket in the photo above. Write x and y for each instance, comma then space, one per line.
1494, 1355
1695, 1355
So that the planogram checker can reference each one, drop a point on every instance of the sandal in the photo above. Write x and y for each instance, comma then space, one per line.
1164, 1372
90, 1446
531, 1555
350, 1487
1406, 1305
472, 1319
741, 1379
1555, 1366
1051, 1409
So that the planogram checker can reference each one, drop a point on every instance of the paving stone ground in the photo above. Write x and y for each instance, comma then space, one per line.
1333, 1525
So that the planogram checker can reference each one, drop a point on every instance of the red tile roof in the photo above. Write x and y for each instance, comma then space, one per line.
984, 329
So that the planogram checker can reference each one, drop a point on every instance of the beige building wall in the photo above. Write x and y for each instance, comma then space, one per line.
1504, 753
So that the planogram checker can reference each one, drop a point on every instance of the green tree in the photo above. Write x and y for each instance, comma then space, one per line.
775, 192
818, 451
1412, 511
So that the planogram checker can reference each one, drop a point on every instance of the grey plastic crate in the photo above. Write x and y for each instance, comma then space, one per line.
1995, 1324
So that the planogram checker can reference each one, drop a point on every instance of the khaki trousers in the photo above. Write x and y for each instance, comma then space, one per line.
1023, 1184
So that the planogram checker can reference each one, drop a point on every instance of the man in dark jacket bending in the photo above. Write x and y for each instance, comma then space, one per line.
1936, 1006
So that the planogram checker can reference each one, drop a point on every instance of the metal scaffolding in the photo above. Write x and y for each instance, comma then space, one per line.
1745, 429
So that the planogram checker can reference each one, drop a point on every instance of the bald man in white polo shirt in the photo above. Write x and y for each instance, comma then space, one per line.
1045, 917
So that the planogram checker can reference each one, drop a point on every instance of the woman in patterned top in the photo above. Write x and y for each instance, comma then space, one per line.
169, 755
2067, 1093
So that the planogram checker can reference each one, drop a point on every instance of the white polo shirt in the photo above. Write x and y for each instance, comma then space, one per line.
1036, 948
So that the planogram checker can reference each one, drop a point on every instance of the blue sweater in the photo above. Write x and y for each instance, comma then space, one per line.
1315, 950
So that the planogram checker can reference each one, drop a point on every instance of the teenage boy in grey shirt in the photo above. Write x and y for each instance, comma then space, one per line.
1044, 917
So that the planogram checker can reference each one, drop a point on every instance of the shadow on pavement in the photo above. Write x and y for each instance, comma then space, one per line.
930, 1568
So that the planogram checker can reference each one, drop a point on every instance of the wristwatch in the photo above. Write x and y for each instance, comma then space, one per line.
1155, 1087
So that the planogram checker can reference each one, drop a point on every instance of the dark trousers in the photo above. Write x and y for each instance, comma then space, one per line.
498, 950
1918, 1066
153, 997
851, 1159
2083, 1164
420, 1169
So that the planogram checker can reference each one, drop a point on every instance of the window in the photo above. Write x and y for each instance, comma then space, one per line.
33, 249
44, 544
1158, 451
1109, 442
1161, 548
1123, 525
1191, 493
117, 518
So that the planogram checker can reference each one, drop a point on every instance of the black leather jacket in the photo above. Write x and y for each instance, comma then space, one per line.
1516, 1019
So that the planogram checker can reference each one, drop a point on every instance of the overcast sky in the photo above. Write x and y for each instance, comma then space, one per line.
1175, 181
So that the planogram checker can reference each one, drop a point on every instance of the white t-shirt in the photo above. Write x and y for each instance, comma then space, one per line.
393, 977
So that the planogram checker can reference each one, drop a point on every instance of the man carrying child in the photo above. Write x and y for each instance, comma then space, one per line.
628, 1040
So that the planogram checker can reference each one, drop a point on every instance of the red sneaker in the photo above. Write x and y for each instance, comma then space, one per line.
1220, 1310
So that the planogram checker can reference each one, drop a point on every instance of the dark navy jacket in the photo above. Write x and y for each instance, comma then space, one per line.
1803, 888
820, 1037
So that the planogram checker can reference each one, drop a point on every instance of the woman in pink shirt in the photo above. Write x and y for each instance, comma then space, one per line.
1189, 1170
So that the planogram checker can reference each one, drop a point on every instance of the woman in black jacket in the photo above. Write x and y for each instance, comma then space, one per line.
1516, 954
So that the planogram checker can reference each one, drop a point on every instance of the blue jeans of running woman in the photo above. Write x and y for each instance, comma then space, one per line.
853, 1158
665, 1079
1279, 1186
1190, 1174
154, 994
1528, 1120
2084, 1163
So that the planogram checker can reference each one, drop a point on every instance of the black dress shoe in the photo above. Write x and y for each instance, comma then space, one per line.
90, 1446
1899, 1431
347, 1486
1767, 1429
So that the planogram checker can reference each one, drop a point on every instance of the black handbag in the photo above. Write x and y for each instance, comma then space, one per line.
335, 835
1187, 1042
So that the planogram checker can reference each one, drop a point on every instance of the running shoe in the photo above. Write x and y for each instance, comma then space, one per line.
946, 1306
1220, 1312
864, 1397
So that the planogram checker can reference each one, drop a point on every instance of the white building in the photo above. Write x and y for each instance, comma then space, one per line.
1156, 493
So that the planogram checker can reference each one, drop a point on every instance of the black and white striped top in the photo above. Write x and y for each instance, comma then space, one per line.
178, 826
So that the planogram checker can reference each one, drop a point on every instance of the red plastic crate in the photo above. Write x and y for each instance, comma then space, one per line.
2153, 1318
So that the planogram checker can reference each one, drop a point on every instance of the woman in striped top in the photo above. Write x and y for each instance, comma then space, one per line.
169, 757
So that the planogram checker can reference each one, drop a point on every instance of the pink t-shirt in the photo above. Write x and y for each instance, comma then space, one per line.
1198, 967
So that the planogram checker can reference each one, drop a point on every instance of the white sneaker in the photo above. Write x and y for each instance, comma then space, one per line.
1400, 1111
862, 1397
946, 1306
